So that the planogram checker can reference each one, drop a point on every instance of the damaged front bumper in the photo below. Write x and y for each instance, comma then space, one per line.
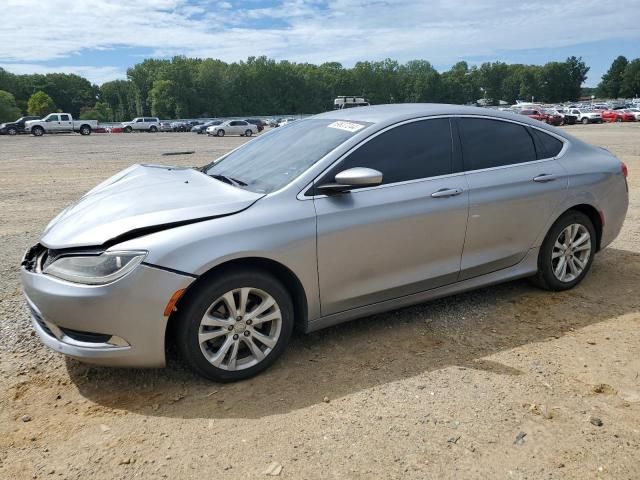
117, 324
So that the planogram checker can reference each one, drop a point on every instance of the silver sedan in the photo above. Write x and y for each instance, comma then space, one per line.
334, 217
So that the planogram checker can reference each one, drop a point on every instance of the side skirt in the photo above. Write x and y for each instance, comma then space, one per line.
527, 267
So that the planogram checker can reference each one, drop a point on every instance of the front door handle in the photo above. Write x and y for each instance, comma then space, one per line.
545, 177
446, 192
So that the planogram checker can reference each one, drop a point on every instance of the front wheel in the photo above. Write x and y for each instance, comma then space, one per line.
220, 133
567, 252
37, 131
248, 133
585, 121
128, 129
235, 326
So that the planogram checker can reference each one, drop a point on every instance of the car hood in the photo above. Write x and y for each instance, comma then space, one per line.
142, 199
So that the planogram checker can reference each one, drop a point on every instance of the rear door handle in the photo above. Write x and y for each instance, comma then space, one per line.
545, 177
446, 192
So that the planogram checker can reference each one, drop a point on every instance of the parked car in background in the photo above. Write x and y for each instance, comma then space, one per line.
184, 125
59, 123
203, 127
257, 122
286, 121
339, 216
586, 116
534, 114
17, 127
142, 124
567, 117
233, 127
635, 112
617, 116
273, 123
165, 126
553, 118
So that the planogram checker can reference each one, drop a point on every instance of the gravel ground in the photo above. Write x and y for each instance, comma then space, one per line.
503, 382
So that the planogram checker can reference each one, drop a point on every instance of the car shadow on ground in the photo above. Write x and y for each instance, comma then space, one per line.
457, 331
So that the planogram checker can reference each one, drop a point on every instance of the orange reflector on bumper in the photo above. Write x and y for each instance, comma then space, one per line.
171, 306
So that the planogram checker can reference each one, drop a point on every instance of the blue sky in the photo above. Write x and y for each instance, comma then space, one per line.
100, 39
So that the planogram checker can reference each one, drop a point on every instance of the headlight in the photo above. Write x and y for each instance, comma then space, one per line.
95, 269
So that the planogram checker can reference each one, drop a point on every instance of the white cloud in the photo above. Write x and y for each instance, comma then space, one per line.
304, 30
97, 75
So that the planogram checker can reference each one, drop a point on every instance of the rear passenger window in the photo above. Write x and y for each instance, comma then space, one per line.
415, 150
546, 145
494, 143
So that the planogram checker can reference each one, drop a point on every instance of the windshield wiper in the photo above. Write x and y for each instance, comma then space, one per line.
229, 180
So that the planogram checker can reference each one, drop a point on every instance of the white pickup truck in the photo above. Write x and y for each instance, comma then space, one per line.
59, 123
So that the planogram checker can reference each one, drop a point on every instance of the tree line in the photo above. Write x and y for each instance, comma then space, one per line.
184, 87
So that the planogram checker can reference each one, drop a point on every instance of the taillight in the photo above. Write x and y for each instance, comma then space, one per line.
624, 169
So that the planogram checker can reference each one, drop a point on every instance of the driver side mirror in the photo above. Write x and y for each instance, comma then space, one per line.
357, 177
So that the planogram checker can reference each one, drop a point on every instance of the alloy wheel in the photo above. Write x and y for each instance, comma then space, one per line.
240, 329
571, 252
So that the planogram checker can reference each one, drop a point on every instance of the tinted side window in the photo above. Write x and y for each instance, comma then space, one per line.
546, 145
65, 118
415, 150
493, 143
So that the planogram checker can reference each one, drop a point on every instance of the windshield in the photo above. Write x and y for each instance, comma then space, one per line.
273, 160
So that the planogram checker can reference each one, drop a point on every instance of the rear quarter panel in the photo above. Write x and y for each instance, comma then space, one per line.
596, 179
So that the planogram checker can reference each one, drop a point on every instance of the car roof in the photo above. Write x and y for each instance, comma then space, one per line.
399, 112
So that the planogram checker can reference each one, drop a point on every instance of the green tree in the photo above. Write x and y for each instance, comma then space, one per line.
101, 112
40, 104
8, 109
121, 97
631, 80
611, 83
162, 99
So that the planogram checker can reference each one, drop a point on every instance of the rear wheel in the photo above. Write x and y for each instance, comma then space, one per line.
567, 252
235, 326
37, 131
85, 130
153, 129
220, 133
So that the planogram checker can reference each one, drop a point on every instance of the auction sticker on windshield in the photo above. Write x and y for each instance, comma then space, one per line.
348, 126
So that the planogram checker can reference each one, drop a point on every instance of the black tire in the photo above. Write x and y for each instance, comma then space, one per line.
37, 131
85, 130
618, 119
248, 133
128, 129
12, 131
153, 129
545, 277
196, 303
585, 121
220, 133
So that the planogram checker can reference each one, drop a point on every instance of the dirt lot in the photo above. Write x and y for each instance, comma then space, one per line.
504, 382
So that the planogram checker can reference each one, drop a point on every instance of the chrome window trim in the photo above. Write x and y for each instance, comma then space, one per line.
302, 194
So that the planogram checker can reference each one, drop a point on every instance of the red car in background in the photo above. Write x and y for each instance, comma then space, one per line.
617, 116
551, 119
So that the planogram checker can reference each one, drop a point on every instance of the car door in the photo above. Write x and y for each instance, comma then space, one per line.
66, 123
401, 237
52, 123
515, 185
139, 124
